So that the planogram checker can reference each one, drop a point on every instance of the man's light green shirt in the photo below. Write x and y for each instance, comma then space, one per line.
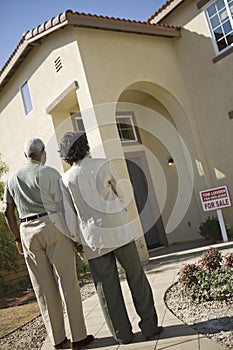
34, 189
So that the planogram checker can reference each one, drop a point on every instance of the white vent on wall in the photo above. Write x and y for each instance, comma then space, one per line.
58, 64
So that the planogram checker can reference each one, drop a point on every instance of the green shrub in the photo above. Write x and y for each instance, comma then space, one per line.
9, 256
187, 275
3, 170
228, 260
211, 278
210, 229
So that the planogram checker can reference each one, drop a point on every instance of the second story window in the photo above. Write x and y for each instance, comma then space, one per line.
220, 18
27, 102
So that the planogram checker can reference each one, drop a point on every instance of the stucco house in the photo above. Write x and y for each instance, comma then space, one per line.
147, 94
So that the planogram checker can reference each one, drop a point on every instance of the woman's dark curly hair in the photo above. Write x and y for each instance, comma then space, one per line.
78, 150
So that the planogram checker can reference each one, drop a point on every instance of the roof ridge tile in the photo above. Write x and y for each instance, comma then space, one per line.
163, 7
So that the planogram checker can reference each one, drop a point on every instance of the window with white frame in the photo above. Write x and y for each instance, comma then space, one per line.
126, 127
26, 97
79, 122
220, 18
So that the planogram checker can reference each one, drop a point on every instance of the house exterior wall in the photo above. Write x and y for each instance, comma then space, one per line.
134, 58
157, 68
89, 56
45, 85
177, 81
209, 89
169, 187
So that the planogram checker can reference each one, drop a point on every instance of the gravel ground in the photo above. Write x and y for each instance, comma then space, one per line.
214, 319
32, 335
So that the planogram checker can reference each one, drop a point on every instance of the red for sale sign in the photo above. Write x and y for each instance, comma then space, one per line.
215, 198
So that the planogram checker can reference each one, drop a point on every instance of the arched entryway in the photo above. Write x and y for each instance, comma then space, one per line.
174, 218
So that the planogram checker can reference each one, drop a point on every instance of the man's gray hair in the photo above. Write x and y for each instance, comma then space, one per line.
33, 147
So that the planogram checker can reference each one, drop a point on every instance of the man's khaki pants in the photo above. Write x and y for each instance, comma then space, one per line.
50, 260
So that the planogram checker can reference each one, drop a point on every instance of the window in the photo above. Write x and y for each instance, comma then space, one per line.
27, 102
220, 18
77, 121
126, 127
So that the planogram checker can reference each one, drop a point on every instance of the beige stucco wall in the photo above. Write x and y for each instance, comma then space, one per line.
99, 51
166, 180
45, 84
209, 87
146, 72
175, 78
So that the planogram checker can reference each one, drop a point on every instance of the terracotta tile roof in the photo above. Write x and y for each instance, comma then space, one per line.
29, 38
101, 22
165, 8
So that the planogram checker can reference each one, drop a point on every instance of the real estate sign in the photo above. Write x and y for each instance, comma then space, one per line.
215, 198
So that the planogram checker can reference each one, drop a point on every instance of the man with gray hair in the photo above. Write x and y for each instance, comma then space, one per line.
34, 190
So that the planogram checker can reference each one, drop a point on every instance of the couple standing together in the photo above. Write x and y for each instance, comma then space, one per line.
84, 206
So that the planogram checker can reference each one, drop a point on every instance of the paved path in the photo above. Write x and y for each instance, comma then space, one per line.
161, 272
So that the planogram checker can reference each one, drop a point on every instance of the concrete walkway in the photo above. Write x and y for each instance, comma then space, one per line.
162, 272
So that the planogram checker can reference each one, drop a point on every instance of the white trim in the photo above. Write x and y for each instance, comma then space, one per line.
26, 98
76, 120
127, 115
214, 42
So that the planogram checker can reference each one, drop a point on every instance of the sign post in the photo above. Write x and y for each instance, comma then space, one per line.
217, 199
222, 225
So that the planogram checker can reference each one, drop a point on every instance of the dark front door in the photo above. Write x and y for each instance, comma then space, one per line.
143, 201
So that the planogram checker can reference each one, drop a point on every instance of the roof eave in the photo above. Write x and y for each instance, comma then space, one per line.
14, 63
25, 46
164, 11
32, 38
113, 24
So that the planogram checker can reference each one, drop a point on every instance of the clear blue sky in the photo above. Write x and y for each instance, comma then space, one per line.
18, 16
